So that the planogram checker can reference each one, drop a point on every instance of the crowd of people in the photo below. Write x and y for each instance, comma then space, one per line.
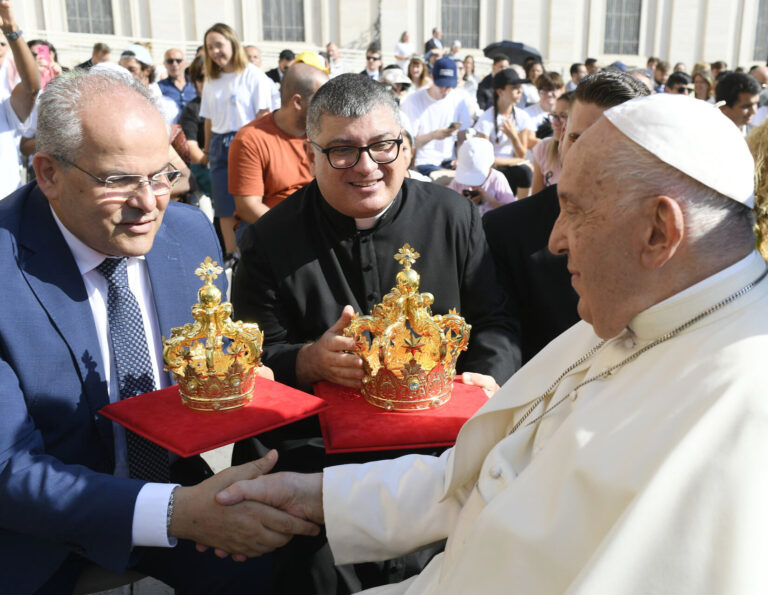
630, 271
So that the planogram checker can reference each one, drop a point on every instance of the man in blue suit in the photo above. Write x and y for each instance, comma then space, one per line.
69, 496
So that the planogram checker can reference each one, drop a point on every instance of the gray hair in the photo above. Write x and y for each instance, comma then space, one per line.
715, 225
349, 96
59, 111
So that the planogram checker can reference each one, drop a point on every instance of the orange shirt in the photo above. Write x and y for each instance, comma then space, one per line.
265, 161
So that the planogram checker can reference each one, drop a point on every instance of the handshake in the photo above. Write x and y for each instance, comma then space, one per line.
243, 512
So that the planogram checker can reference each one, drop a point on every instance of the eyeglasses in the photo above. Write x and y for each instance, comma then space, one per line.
125, 185
560, 118
682, 90
344, 157
174, 60
373, 58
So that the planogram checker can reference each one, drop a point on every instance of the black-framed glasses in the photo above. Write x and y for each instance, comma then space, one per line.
346, 156
172, 60
125, 185
373, 58
683, 90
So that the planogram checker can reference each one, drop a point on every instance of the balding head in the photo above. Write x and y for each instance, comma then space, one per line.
761, 74
303, 80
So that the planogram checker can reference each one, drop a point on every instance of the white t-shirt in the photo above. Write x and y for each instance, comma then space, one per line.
502, 146
233, 100
404, 48
537, 115
10, 130
427, 114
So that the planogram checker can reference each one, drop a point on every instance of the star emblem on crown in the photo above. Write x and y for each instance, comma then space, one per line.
208, 270
406, 256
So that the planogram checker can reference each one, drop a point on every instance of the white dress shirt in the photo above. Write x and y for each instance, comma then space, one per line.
151, 508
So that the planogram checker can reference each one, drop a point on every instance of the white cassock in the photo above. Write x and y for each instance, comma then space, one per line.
654, 480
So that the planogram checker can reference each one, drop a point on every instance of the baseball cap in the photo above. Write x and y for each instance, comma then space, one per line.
444, 73
508, 76
474, 162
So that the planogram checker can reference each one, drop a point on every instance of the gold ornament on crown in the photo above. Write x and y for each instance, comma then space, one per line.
213, 377
409, 356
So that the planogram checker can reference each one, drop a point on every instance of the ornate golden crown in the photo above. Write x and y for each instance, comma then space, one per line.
213, 377
409, 356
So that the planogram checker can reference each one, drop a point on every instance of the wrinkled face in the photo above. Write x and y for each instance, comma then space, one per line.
138, 73
254, 55
581, 117
175, 63
121, 135
366, 189
743, 110
598, 235
220, 50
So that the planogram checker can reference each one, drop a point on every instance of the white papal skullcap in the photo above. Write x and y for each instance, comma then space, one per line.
692, 136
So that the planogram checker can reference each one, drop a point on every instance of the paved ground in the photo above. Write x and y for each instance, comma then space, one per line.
218, 459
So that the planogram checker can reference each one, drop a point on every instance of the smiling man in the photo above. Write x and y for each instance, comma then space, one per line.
98, 267
629, 455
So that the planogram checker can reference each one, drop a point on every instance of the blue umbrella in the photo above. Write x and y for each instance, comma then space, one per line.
516, 52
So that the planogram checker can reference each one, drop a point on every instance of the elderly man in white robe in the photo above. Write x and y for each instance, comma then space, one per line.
629, 456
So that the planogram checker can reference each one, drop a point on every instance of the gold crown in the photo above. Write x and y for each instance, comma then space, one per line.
210, 376
409, 356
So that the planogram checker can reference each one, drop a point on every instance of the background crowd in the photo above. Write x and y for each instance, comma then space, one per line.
515, 115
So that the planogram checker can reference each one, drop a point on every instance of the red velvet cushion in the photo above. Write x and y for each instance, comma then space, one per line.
351, 424
161, 417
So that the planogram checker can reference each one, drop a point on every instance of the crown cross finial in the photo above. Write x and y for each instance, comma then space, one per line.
208, 270
406, 256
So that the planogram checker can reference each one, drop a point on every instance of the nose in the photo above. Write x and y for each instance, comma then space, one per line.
558, 243
144, 199
365, 164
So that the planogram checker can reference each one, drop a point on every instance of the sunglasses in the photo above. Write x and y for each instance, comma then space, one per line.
373, 58
176, 60
682, 90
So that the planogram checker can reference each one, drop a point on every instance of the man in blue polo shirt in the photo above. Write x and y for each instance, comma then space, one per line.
176, 87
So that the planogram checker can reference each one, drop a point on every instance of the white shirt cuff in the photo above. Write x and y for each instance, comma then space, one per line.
150, 516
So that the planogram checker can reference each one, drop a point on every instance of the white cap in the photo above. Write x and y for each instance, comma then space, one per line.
111, 68
475, 161
140, 53
692, 136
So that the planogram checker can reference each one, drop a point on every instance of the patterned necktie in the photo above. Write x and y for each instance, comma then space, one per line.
146, 460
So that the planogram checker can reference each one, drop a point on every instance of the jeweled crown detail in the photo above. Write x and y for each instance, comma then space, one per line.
213, 376
409, 356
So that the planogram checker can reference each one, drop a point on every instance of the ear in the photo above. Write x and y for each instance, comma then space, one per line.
297, 102
310, 156
48, 173
665, 234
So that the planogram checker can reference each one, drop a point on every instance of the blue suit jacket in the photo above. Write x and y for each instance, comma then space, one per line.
57, 493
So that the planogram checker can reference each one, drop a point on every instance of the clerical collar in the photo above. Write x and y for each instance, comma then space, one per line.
369, 222
667, 314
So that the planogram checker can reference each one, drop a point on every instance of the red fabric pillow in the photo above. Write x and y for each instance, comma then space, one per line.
161, 417
351, 424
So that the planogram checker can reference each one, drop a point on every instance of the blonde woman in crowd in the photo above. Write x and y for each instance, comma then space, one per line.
235, 92
758, 145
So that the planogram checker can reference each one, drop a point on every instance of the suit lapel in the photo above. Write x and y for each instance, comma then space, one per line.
51, 272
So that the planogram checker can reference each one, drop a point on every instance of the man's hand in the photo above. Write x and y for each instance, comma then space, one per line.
299, 494
487, 383
325, 359
247, 529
